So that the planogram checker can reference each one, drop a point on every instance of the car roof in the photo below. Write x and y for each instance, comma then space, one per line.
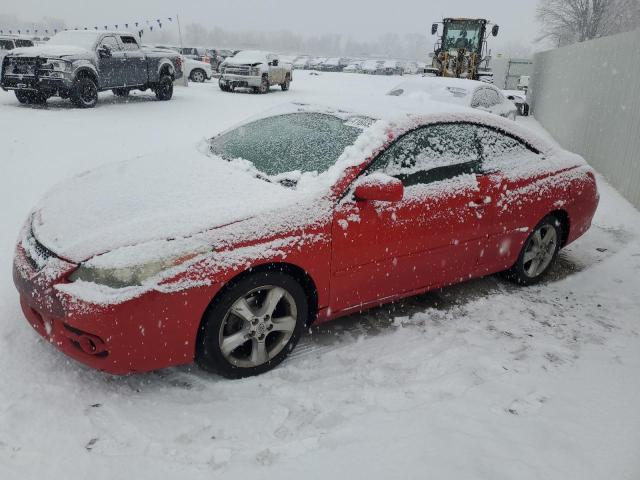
454, 90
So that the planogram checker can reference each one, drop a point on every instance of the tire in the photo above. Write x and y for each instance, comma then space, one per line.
257, 336
264, 85
287, 82
29, 98
198, 75
542, 246
121, 92
84, 93
525, 111
164, 88
224, 87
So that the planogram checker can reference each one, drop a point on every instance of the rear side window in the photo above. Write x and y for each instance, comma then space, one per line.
24, 43
485, 97
432, 153
6, 44
129, 42
501, 152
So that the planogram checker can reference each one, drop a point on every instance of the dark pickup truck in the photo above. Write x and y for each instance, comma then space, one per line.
77, 64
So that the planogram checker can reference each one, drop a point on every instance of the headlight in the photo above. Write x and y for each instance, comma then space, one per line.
56, 65
255, 70
128, 276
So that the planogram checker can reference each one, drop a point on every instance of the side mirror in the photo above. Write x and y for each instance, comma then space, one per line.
434, 29
274, 62
104, 52
495, 30
379, 187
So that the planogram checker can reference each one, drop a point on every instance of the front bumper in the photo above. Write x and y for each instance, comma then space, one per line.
241, 80
37, 83
149, 332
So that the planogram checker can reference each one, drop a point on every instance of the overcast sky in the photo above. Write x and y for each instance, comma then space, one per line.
363, 19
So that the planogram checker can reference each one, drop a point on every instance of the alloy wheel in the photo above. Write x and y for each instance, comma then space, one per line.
540, 250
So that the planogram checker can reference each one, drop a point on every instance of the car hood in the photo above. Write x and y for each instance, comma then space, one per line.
50, 51
253, 61
157, 197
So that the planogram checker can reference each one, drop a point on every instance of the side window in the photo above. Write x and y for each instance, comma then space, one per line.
110, 42
6, 44
482, 98
24, 43
433, 153
129, 42
501, 152
493, 98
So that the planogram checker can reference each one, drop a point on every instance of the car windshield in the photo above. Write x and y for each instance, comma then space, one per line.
77, 38
304, 142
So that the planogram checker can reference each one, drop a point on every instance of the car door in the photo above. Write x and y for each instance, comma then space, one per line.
433, 237
135, 61
111, 66
520, 182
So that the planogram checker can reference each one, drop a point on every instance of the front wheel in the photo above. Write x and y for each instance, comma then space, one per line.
538, 253
164, 89
84, 93
253, 326
35, 98
264, 85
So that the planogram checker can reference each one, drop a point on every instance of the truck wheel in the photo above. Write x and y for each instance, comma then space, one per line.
198, 75
164, 89
264, 86
121, 92
223, 86
84, 93
286, 84
23, 97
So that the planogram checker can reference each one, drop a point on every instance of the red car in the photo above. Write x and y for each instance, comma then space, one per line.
225, 254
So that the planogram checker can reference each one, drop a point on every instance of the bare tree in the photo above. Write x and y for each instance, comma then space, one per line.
570, 21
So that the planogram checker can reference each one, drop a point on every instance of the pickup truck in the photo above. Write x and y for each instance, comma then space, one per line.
77, 64
256, 70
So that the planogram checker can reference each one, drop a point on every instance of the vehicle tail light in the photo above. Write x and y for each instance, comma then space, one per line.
206, 59
179, 63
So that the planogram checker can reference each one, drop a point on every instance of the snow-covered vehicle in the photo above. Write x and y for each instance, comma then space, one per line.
254, 69
302, 63
519, 98
334, 64
316, 63
372, 67
470, 93
226, 256
391, 67
77, 64
195, 70
355, 67
10, 42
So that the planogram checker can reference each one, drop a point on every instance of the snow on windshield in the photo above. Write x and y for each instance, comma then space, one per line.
295, 142
76, 38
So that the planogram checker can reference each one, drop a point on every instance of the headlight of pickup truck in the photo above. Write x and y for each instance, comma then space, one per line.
56, 65
128, 276
255, 71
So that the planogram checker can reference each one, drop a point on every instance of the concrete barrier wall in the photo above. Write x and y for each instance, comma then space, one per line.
587, 96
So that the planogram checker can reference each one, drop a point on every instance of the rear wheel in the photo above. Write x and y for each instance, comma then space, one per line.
84, 93
164, 89
198, 75
253, 325
286, 84
538, 253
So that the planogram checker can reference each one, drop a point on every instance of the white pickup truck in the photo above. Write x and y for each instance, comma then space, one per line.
256, 70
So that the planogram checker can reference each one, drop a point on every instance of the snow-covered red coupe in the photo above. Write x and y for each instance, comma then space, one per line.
224, 255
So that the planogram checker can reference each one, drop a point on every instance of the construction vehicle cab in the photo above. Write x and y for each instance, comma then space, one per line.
462, 50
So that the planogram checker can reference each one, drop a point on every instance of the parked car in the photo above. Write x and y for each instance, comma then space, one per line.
302, 63
355, 67
77, 64
9, 42
231, 253
470, 93
391, 67
519, 98
317, 62
196, 53
194, 70
254, 69
372, 67
335, 64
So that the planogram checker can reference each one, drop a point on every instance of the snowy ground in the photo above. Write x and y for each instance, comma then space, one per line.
479, 381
